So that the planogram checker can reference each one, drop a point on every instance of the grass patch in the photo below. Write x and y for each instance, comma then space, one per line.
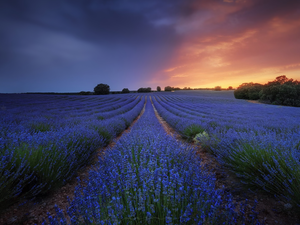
191, 131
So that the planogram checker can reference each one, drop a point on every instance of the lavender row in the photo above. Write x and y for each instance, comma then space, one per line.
49, 102
32, 163
149, 178
182, 122
35, 118
237, 114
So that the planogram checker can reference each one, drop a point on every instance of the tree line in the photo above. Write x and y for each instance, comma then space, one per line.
103, 89
281, 91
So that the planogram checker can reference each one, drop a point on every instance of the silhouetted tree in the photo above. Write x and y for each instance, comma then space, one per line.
218, 88
158, 88
85, 93
125, 90
281, 91
248, 91
148, 89
168, 88
102, 89
281, 79
229, 88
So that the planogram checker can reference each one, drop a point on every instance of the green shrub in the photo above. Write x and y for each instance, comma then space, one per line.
191, 131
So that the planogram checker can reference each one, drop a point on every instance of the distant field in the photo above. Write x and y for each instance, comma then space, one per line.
147, 177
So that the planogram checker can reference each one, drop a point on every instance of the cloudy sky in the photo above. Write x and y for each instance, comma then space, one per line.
73, 45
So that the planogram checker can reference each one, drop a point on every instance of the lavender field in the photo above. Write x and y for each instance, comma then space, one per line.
148, 176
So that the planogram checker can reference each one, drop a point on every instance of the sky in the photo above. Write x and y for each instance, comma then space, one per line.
73, 45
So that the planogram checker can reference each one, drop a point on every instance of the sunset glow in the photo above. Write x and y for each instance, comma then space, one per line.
226, 50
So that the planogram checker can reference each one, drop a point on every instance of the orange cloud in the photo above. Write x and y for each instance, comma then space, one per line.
212, 55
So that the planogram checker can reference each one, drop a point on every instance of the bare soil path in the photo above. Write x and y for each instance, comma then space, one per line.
33, 212
254, 101
270, 210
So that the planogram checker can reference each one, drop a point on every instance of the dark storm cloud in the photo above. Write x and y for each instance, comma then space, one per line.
116, 38
98, 20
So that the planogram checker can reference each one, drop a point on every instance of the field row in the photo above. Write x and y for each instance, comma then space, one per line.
44, 140
259, 143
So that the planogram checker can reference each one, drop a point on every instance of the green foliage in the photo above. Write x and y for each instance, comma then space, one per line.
191, 131
253, 92
282, 94
102, 89
248, 91
281, 91
201, 137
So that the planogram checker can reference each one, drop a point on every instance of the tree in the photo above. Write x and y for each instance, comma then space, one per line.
125, 90
281, 91
148, 89
168, 88
248, 91
102, 89
218, 88
85, 93
229, 88
281, 79
158, 88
